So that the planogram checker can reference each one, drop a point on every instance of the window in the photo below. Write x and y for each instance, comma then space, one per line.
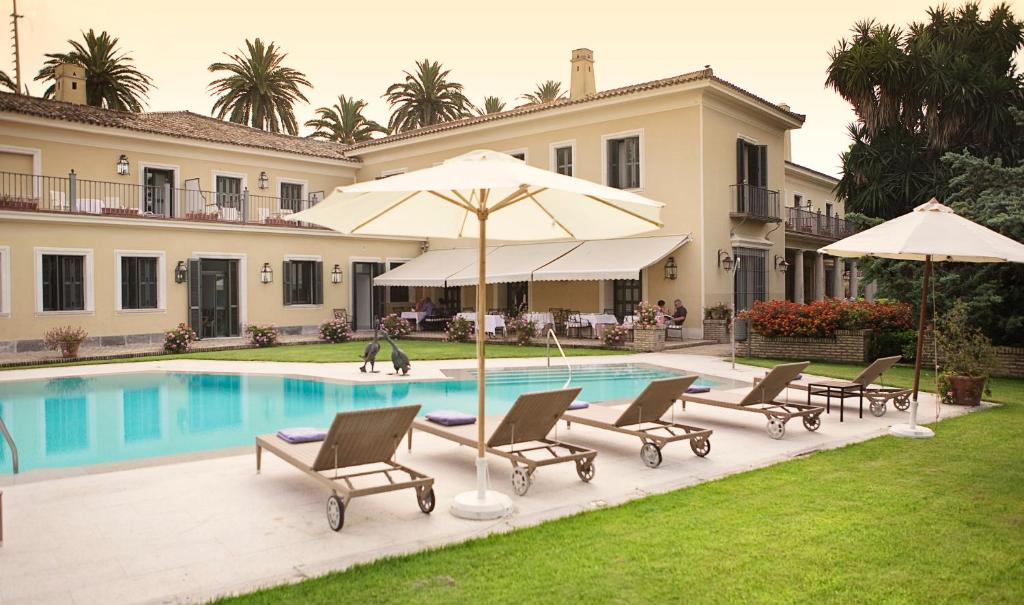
828, 208
303, 282
229, 191
798, 200
751, 164
139, 282
63, 281
521, 155
398, 294
291, 196
624, 162
626, 295
563, 160
751, 277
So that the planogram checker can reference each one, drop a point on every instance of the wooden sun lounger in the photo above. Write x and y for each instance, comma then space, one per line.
643, 419
760, 399
366, 439
877, 396
521, 437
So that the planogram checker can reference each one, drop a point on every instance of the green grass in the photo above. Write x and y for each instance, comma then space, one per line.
883, 521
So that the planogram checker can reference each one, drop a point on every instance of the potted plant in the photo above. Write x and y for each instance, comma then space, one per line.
647, 334
66, 338
716, 322
967, 358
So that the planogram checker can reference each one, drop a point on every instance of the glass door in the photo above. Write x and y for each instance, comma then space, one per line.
158, 194
626, 295
367, 299
213, 297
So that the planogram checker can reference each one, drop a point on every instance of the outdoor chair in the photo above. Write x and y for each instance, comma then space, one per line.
575, 324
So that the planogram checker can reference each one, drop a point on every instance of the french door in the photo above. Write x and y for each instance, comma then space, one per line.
367, 299
213, 297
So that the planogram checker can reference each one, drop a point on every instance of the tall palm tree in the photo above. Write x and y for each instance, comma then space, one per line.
7, 82
111, 79
426, 97
545, 92
259, 91
344, 122
491, 105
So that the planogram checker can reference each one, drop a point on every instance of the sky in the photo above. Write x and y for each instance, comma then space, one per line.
776, 49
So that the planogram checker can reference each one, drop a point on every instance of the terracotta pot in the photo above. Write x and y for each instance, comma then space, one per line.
967, 390
69, 350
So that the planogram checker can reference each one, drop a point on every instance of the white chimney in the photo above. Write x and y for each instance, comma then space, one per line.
581, 81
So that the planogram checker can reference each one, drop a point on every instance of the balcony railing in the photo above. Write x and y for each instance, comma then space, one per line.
817, 223
751, 201
74, 195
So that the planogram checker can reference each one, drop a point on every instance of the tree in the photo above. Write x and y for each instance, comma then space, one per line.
546, 92
491, 105
111, 78
259, 90
344, 122
7, 82
425, 97
935, 87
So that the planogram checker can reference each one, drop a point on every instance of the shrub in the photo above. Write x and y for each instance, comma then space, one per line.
524, 329
964, 350
335, 330
893, 342
646, 315
180, 339
615, 336
719, 311
394, 326
459, 330
65, 338
262, 335
821, 319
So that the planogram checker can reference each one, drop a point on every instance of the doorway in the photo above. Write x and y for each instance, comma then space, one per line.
213, 297
367, 299
158, 190
516, 296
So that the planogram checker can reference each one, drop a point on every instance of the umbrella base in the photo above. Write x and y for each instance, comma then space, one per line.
469, 505
913, 431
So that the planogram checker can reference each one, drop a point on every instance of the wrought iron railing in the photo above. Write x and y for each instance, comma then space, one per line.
818, 223
756, 202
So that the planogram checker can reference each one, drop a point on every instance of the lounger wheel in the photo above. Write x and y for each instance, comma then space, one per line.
776, 428
878, 408
813, 422
651, 455
700, 446
521, 481
902, 402
585, 469
425, 498
335, 512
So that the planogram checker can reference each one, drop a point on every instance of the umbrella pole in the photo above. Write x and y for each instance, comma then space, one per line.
912, 429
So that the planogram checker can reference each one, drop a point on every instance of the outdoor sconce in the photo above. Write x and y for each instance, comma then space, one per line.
180, 272
336, 274
724, 260
266, 274
671, 269
263, 180
122, 165
781, 263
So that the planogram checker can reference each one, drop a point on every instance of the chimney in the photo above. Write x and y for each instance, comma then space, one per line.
581, 81
70, 83
787, 141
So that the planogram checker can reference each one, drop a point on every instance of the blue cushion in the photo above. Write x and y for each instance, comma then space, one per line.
693, 390
450, 418
579, 404
302, 435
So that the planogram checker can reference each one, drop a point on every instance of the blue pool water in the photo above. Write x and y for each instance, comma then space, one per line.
82, 421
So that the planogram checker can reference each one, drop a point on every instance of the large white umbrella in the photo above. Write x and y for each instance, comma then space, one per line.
931, 233
484, 194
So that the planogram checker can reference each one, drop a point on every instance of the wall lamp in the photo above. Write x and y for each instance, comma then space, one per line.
724, 260
671, 269
266, 273
781, 263
336, 274
263, 179
123, 166
180, 272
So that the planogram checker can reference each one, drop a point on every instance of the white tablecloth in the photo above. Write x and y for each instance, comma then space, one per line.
416, 316
491, 322
540, 319
595, 319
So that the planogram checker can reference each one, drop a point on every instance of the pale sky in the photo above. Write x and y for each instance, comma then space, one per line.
778, 50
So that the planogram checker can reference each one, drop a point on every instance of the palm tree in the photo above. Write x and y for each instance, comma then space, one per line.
426, 97
259, 91
7, 82
111, 79
546, 92
491, 105
344, 122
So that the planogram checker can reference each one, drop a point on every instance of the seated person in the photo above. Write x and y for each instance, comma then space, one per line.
679, 315
660, 308
428, 307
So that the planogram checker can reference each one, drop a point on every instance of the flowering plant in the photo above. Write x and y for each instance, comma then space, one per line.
262, 335
65, 338
335, 330
524, 329
821, 319
180, 339
394, 326
459, 330
646, 315
615, 336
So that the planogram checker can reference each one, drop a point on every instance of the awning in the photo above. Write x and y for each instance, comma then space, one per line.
429, 269
610, 258
512, 263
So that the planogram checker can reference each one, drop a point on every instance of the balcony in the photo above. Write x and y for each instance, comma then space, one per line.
756, 203
817, 224
81, 197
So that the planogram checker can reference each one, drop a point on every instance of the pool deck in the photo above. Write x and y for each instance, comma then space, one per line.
191, 529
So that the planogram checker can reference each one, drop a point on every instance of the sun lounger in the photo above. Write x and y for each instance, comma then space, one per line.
877, 396
366, 439
760, 399
643, 419
521, 437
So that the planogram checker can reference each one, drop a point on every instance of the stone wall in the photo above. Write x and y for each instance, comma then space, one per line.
139, 340
1009, 360
716, 330
849, 346
648, 339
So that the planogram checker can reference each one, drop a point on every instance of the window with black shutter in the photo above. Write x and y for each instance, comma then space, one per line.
63, 282
303, 282
623, 168
138, 282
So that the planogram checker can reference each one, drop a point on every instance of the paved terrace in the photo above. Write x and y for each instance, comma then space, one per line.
191, 529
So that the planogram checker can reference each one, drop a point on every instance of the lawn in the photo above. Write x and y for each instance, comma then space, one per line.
887, 520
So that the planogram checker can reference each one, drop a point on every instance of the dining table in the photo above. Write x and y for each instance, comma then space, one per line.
599, 321
540, 319
491, 322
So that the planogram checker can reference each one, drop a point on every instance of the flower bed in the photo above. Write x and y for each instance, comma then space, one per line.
823, 319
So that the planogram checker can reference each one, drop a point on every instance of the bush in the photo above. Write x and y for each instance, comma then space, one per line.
335, 330
524, 329
262, 335
646, 315
394, 326
719, 311
65, 338
885, 343
615, 336
459, 330
964, 350
821, 319
180, 339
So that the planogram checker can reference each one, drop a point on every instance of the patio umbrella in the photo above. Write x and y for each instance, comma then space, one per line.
478, 195
931, 233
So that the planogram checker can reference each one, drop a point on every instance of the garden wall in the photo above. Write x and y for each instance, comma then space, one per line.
849, 346
716, 330
1009, 360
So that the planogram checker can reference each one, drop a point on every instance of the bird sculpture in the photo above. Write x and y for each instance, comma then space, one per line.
370, 353
398, 358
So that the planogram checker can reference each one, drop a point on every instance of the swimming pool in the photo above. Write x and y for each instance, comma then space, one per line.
68, 422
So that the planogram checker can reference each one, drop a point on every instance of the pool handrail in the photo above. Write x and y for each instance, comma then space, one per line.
547, 348
10, 444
